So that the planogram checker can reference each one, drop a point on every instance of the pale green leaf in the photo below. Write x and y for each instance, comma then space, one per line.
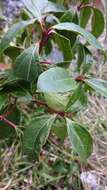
35, 7
53, 7
76, 28
57, 101
12, 32
56, 80
99, 85
39, 7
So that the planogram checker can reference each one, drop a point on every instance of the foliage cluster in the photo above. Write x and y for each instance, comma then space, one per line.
40, 96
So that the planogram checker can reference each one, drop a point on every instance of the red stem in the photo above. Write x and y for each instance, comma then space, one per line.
2, 118
80, 78
45, 36
86, 6
40, 103
46, 62
82, 5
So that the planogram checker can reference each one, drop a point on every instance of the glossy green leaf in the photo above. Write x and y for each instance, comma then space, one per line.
36, 134
12, 32
27, 65
64, 46
76, 28
80, 139
97, 22
56, 80
99, 85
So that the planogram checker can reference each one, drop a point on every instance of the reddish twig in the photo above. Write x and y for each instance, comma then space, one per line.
45, 36
10, 108
2, 118
7, 113
40, 103
50, 110
82, 5
46, 62
80, 78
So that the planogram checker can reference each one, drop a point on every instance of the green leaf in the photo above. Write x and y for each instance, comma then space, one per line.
78, 100
56, 80
59, 128
97, 19
88, 61
67, 16
12, 32
80, 139
60, 2
97, 22
64, 45
39, 7
27, 64
85, 1
84, 58
62, 64
80, 55
13, 52
85, 14
105, 6
36, 134
76, 28
3, 99
53, 7
35, 7
57, 101
70, 16
59, 166
99, 85
15, 85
